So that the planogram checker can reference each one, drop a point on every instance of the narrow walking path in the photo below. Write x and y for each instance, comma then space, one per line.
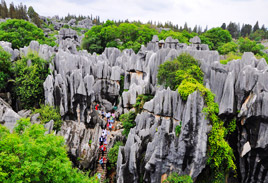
102, 172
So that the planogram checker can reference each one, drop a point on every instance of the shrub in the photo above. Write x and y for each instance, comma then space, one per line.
31, 72
6, 70
231, 56
227, 48
31, 156
140, 101
48, 113
113, 154
246, 45
175, 178
128, 122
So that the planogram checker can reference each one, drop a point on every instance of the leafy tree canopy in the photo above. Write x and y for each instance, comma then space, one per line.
31, 72
216, 37
20, 33
27, 155
172, 73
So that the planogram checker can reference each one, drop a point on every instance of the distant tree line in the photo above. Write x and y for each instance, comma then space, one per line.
95, 20
18, 12
255, 32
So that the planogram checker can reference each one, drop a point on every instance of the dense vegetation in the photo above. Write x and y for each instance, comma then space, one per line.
48, 113
20, 33
220, 154
175, 178
30, 74
6, 69
113, 154
216, 37
128, 122
122, 36
172, 73
27, 155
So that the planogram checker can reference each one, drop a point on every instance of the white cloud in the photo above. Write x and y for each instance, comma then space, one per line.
195, 12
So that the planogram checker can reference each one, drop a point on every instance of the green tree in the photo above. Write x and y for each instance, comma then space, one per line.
256, 27
128, 122
217, 36
20, 33
31, 72
27, 155
125, 35
48, 113
227, 48
172, 73
6, 70
246, 45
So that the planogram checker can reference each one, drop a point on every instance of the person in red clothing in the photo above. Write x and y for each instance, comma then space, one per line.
102, 160
103, 149
96, 107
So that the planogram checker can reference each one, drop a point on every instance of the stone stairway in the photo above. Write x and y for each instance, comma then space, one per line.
101, 171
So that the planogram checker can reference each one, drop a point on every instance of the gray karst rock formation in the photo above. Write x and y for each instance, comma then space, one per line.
78, 80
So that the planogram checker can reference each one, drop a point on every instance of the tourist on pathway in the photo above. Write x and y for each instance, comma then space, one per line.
110, 126
101, 140
96, 107
103, 149
102, 159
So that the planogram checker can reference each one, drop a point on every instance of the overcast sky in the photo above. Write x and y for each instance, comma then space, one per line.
201, 12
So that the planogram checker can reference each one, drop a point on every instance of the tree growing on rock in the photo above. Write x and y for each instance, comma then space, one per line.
31, 72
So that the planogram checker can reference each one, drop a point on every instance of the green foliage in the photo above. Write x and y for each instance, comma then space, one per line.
140, 101
227, 48
6, 70
183, 37
20, 33
172, 73
232, 126
29, 80
22, 124
246, 45
175, 178
128, 122
216, 37
231, 56
122, 78
48, 113
126, 35
188, 86
221, 157
31, 156
178, 129
113, 154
